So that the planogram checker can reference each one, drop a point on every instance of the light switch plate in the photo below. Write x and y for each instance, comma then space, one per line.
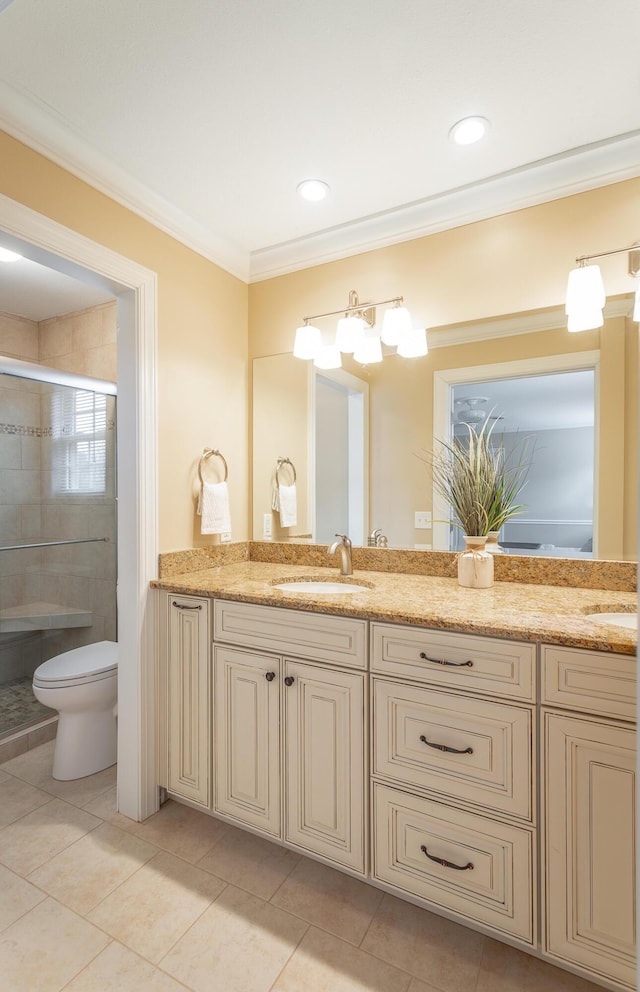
423, 520
267, 527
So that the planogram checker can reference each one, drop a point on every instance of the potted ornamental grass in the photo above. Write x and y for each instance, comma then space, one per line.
481, 483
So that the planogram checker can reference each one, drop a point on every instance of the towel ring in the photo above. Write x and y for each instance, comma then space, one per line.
208, 453
285, 461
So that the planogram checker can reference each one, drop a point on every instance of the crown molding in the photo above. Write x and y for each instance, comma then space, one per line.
39, 129
575, 171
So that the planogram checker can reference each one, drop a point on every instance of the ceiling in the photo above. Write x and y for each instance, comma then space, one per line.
554, 401
204, 115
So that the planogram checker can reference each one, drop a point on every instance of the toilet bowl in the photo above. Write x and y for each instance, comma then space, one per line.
82, 685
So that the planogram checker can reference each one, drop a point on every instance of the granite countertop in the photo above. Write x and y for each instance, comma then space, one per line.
518, 611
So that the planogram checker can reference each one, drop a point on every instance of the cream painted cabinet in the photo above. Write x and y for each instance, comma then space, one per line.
186, 707
289, 733
324, 762
247, 737
589, 803
453, 801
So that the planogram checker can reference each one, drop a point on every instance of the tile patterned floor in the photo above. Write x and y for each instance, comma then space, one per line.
92, 902
19, 707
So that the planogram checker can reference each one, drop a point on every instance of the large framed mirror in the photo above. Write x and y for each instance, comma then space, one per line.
404, 425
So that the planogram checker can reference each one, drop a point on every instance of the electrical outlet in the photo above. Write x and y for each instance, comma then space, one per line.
423, 520
422, 547
267, 527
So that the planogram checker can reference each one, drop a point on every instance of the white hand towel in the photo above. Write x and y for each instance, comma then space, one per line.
213, 507
288, 506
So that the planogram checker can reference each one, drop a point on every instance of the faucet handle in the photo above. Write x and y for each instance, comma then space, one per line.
345, 540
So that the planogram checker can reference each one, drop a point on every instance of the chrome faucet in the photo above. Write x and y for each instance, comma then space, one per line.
344, 547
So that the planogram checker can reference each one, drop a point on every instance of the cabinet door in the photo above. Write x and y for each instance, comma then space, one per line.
590, 830
247, 754
188, 704
324, 762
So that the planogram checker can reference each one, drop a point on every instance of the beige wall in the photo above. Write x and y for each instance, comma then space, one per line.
502, 266
202, 338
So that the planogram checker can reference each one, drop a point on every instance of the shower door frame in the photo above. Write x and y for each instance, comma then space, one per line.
135, 287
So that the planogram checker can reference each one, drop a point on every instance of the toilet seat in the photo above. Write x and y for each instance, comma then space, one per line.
89, 663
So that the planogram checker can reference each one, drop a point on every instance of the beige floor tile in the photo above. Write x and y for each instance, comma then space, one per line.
46, 948
506, 969
32, 840
35, 767
4, 776
417, 986
181, 830
429, 947
118, 969
329, 899
322, 963
17, 798
85, 873
544, 977
250, 862
240, 944
17, 897
156, 906
503, 968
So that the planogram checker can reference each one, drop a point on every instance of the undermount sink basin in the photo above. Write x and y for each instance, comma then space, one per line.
628, 620
316, 586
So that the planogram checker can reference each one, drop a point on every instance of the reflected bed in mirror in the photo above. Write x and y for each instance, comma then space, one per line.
405, 403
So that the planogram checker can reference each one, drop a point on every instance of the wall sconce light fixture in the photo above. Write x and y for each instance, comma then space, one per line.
355, 334
585, 290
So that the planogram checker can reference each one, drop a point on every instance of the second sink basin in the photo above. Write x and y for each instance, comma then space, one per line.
628, 620
315, 586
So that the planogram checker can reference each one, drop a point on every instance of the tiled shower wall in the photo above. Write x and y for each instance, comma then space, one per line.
80, 576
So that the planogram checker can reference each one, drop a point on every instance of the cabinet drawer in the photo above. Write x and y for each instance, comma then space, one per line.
490, 761
497, 891
590, 681
337, 640
477, 664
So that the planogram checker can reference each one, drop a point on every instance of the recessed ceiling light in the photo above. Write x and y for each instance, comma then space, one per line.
9, 256
313, 189
471, 129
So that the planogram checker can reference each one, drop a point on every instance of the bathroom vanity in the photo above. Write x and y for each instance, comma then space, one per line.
473, 766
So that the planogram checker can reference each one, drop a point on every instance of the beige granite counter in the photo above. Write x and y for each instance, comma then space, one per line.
515, 610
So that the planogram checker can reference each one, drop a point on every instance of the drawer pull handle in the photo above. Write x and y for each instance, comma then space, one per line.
446, 864
443, 661
270, 676
289, 680
181, 606
443, 747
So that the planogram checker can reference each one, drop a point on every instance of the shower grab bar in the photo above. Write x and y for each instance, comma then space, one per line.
54, 544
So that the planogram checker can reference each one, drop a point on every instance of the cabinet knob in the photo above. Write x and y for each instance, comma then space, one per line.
270, 676
289, 680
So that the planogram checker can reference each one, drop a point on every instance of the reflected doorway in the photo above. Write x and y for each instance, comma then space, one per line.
556, 412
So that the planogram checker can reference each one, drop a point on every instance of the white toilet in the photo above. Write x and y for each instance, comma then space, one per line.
82, 685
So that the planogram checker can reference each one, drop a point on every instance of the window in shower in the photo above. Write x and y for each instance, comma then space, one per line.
79, 442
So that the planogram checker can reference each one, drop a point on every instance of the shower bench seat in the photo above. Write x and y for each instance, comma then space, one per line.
42, 616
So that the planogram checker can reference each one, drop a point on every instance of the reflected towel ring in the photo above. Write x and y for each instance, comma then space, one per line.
280, 463
206, 454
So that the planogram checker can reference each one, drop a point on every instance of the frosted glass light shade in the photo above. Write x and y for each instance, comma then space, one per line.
369, 351
413, 344
397, 321
585, 319
328, 357
350, 334
308, 342
585, 290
